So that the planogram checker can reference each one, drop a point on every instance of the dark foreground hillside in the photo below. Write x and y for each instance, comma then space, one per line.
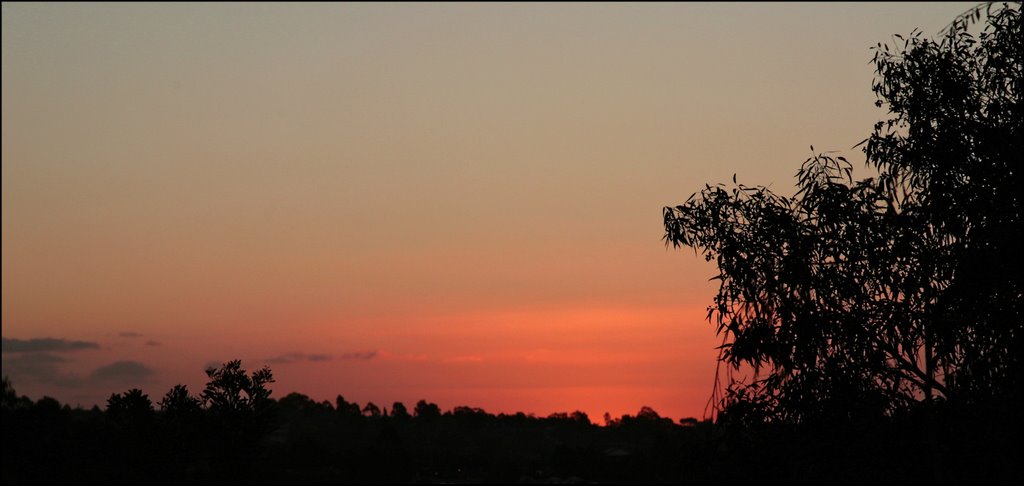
295, 439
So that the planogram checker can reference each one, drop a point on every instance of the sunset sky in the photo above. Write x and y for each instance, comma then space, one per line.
393, 202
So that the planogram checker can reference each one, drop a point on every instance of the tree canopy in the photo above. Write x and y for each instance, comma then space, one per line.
866, 297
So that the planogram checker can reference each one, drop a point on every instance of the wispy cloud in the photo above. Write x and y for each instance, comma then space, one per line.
464, 359
129, 334
152, 343
121, 372
296, 357
44, 345
38, 367
403, 357
46, 368
44, 360
362, 355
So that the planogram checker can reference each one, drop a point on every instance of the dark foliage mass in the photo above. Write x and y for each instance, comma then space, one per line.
235, 432
189, 439
866, 299
889, 303
881, 319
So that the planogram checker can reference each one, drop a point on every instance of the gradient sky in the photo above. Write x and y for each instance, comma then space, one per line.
456, 202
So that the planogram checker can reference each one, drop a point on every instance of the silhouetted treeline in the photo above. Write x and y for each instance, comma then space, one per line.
227, 435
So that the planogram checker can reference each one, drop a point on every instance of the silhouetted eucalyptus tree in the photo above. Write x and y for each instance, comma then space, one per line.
240, 410
426, 410
398, 411
371, 410
8, 396
861, 298
132, 406
231, 391
178, 403
344, 408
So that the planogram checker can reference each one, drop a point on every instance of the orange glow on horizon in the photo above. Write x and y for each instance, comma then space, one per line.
451, 202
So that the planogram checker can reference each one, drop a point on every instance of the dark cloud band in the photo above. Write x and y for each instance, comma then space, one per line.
45, 345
